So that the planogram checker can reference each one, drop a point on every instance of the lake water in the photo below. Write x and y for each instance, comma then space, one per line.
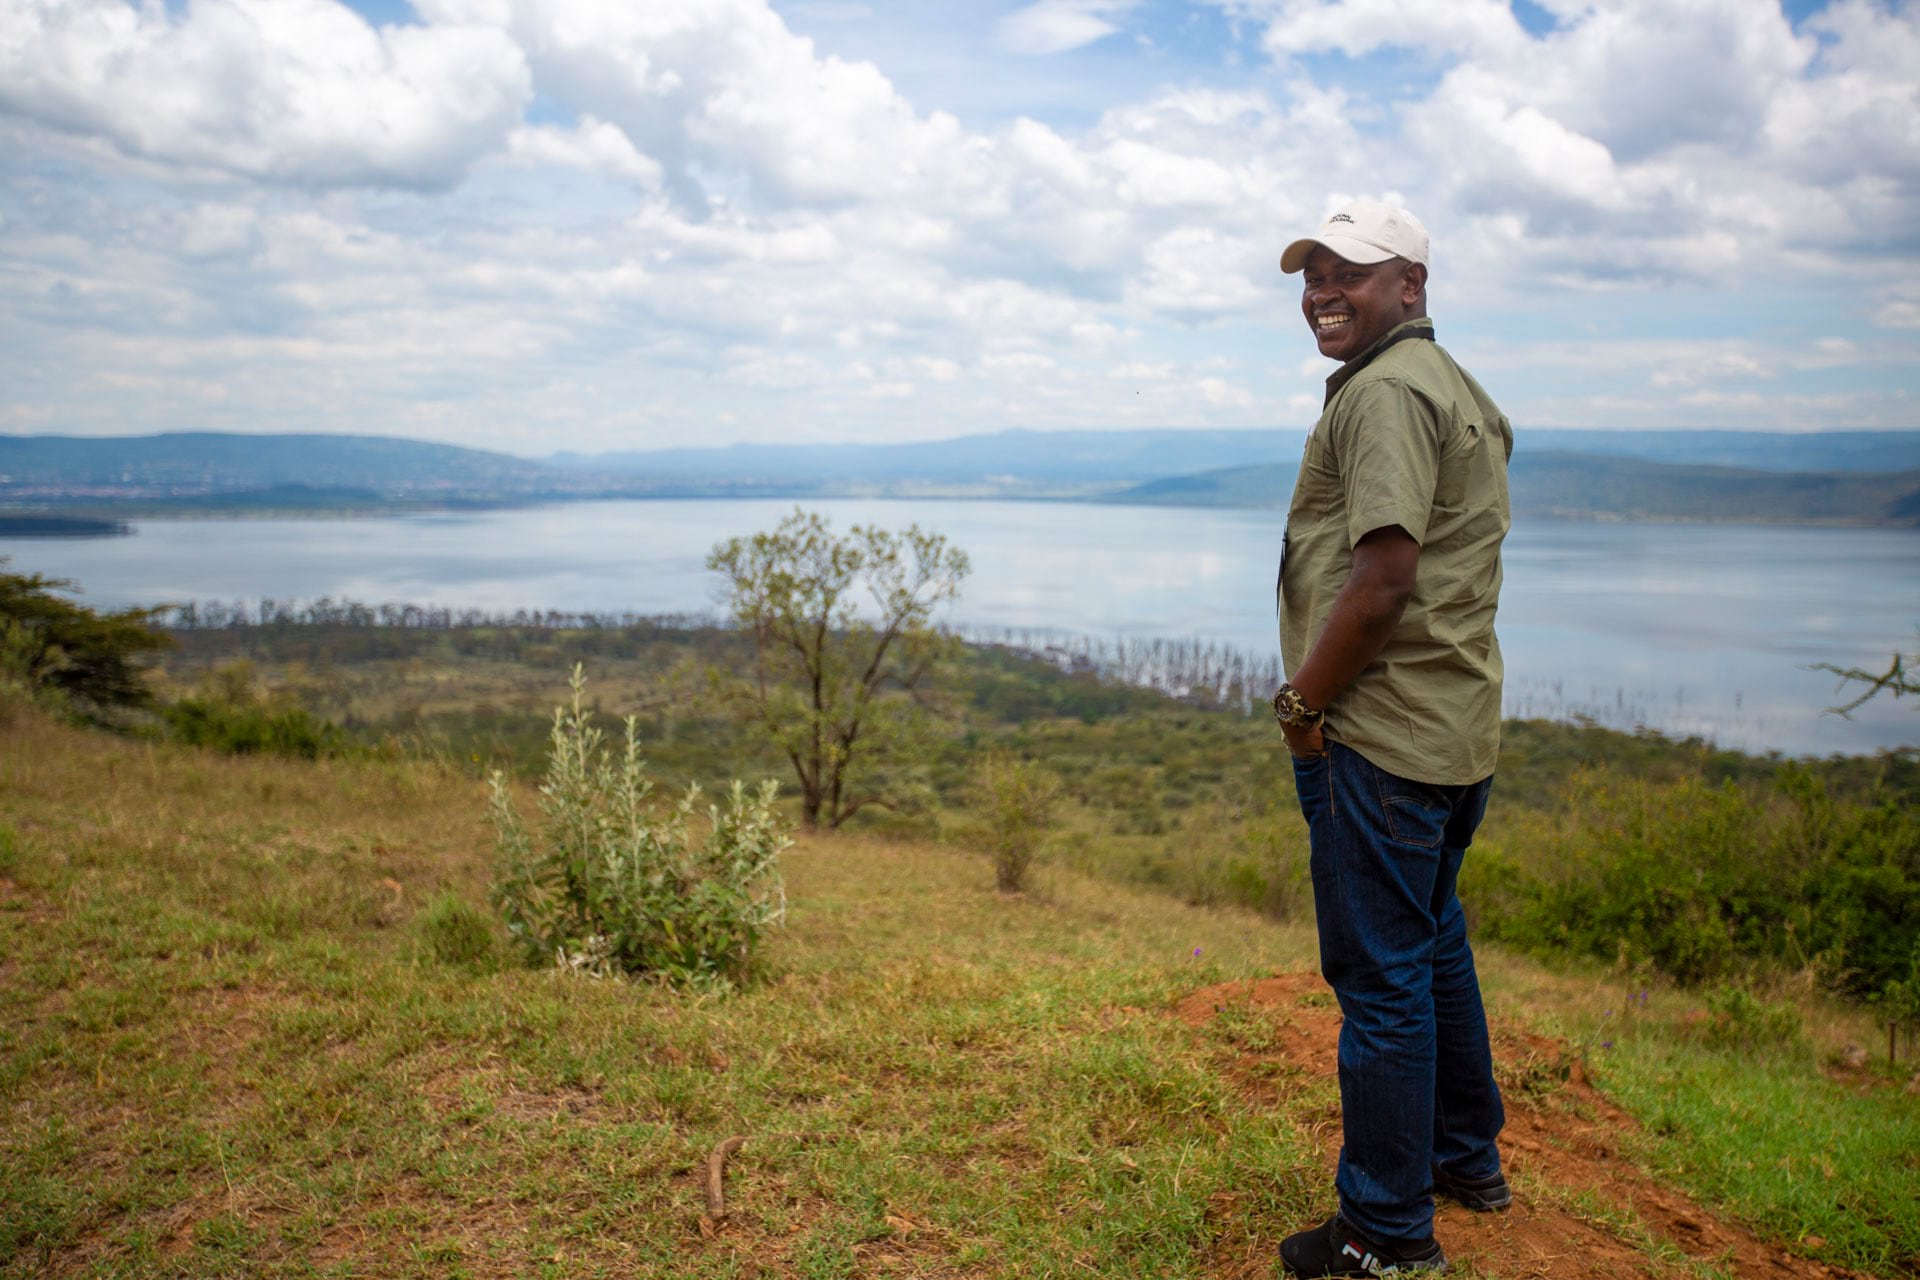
1706, 630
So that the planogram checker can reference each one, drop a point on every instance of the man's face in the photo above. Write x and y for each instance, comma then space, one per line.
1349, 306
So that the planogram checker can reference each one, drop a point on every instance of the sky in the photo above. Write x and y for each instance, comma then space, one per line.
542, 225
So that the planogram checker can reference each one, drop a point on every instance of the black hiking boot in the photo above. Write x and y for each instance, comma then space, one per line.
1490, 1194
1336, 1248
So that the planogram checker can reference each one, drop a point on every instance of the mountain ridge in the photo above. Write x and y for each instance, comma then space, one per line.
1567, 485
1676, 475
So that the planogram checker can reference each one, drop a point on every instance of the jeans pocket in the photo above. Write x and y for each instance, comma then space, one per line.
1416, 813
1310, 783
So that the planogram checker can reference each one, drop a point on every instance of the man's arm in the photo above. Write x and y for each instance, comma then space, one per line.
1359, 625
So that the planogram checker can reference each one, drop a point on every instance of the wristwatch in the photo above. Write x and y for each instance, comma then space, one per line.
1290, 709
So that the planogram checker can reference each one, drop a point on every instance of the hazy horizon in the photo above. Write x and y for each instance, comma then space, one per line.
972, 435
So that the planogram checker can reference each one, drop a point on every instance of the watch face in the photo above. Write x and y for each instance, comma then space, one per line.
1290, 709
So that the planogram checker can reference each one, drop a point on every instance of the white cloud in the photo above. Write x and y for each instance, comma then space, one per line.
1645, 135
591, 144
297, 91
1358, 27
834, 11
708, 224
1057, 26
1221, 393
721, 93
1018, 362
1898, 314
219, 231
1197, 272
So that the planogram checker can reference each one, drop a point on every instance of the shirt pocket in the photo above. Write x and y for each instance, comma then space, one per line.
1317, 493
1463, 456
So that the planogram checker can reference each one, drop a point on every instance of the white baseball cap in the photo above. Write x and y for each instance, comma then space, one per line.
1363, 231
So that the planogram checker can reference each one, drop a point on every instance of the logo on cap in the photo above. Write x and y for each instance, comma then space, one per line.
1340, 217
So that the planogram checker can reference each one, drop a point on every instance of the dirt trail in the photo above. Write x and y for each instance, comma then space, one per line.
1567, 1137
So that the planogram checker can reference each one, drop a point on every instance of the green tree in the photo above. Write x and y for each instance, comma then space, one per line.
87, 660
843, 645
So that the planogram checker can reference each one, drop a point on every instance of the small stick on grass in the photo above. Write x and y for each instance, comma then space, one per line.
717, 1161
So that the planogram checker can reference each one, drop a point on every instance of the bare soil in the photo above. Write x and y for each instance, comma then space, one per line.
1579, 1207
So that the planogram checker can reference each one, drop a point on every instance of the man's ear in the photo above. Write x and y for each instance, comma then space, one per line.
1413, 282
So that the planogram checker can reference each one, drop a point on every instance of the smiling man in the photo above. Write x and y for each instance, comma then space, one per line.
1389, 579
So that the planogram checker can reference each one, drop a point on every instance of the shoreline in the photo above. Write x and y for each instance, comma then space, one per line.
105, 519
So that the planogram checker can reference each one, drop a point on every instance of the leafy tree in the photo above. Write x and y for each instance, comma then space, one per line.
838, 688
88, 660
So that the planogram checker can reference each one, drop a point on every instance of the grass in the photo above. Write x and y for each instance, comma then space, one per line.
1779, 1137
227, 1047
227, 1052
1831, 1167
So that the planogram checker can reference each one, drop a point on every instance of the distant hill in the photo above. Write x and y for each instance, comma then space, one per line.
1748, 450
1082, 459
197, 464
1583, 486
1852, 477
1588, 486
1008, 462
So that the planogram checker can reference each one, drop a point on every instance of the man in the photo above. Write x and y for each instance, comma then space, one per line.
1389, 577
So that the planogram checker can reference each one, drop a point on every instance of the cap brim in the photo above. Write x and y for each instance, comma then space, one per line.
1352, 250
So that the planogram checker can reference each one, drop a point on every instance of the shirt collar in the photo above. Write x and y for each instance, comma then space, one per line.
1418, 327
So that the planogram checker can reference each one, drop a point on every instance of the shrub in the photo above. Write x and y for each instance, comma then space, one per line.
1898, 1001
1743, 1020
1270, 872
609, 886
228, 712
1703, 882
457, 932
1019, 798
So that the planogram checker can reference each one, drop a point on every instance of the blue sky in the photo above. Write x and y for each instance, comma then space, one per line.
537, 225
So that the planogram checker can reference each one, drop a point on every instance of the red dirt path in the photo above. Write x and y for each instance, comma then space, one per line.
1566, 1136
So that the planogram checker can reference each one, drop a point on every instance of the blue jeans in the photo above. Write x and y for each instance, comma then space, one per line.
1416, 1072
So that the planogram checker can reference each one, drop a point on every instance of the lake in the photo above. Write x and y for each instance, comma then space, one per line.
1704, 630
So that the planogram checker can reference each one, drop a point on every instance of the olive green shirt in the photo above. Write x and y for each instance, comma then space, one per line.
1407, 438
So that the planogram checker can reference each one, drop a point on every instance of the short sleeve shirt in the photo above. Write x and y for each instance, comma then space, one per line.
1407, 438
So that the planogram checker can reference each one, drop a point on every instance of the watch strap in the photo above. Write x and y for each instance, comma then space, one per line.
1290, 709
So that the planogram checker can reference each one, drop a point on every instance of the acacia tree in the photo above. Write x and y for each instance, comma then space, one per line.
843, 643
1901, 679
87, 660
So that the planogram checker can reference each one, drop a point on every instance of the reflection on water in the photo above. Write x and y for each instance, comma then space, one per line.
1691, 629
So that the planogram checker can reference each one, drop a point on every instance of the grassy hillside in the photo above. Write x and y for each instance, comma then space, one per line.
1591, 486
233, 1043
1193, 795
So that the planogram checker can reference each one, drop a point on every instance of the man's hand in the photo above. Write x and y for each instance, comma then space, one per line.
1305, 743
